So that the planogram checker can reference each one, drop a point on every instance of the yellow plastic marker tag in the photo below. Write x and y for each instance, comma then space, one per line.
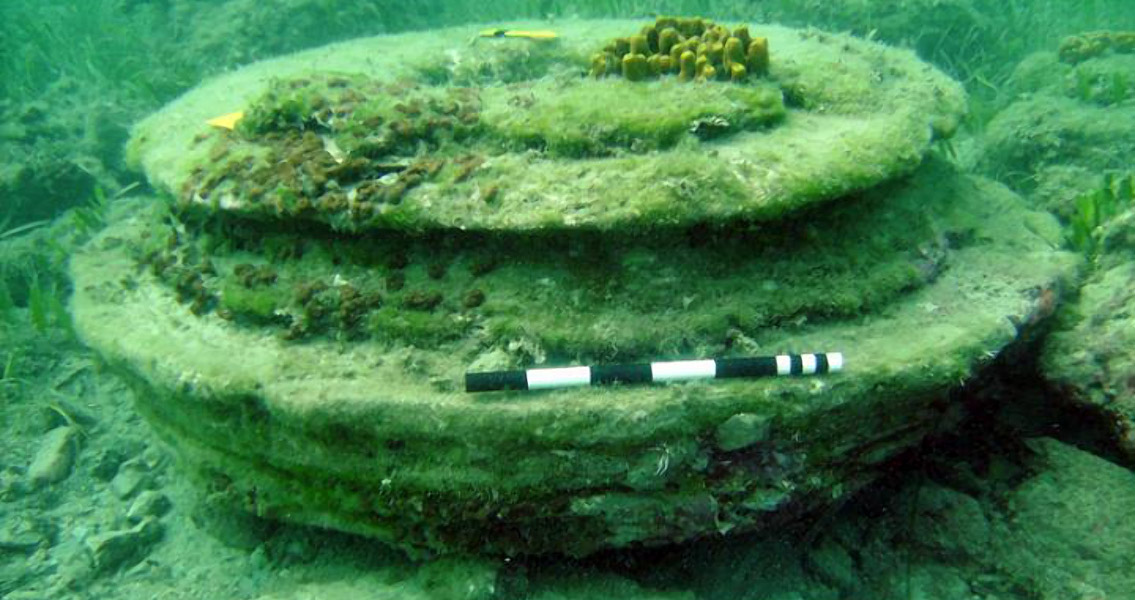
226, 121
512, 33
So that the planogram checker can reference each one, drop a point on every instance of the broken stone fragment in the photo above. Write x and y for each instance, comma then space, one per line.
12, 484
149, 503
710, 127
131, 477
56, 455
21, 537
114, 550
741, 430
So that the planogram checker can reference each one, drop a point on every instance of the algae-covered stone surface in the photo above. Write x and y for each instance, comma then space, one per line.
581, 296
1063, 141
1069, 123
1063, 520
298, 310
461, 131
1091, 354
376, 436
95, 505
1037, 518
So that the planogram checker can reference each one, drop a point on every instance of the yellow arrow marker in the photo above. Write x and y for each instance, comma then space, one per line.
226, 121
513, 33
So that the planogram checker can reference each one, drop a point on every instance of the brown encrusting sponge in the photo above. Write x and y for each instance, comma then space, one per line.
690, 48
326, 144
1075, 49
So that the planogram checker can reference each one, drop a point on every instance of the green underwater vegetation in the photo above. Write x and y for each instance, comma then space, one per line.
1096, 208
97, 43
33, 289
46, 307
7, 303
34, 295
1104, 82
90, 216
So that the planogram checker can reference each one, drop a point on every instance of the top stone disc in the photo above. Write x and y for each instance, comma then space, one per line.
447, 129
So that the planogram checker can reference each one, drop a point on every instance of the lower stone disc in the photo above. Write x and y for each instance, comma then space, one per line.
376, 437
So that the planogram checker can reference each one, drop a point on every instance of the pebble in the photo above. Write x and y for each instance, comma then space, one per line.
115, 550
75, 414
742, 430
106, 463
56, 455
20, 538
130, 478
834, 565
149, 503
12, 483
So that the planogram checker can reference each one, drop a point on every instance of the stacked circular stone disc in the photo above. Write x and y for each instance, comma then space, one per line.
394, 212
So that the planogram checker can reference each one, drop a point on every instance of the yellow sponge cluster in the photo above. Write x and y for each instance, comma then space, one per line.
691, 48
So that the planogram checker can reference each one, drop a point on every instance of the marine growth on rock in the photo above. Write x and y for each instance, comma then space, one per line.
688, 48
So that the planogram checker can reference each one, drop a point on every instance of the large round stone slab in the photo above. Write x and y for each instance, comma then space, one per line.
521, 138
374, 434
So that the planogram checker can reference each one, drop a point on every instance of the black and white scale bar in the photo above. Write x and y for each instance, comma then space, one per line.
655, 372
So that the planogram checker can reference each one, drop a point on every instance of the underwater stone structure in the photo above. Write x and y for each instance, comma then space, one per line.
298, 311
1091, 353
1070, 121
